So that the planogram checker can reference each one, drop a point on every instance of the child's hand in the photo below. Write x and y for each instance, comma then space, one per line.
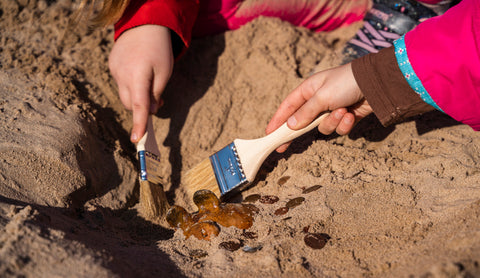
332, 90
141, 61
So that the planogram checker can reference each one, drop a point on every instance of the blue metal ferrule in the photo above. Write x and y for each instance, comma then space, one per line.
143, 165
228, 169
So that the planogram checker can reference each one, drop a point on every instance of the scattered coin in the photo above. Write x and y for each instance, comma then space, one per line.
295, 202
198, 253
269, 199
311, 189
230, 245
316, 240
250, 235
281, 211
252, 198
283, 180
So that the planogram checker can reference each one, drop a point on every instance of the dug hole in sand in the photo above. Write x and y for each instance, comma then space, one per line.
397, 201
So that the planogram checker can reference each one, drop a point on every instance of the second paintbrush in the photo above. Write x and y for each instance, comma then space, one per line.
235, 166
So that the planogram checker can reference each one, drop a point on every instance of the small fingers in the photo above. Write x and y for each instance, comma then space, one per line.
140, 118
161, 75
140, 99
283, 147
332, 121
346, 124
294, 101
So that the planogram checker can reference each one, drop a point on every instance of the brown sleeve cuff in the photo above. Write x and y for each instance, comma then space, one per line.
385, 88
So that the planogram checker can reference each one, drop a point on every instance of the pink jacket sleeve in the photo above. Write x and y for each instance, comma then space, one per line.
440, 59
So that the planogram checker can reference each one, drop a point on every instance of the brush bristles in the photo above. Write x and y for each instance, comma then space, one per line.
153, 202
200, 177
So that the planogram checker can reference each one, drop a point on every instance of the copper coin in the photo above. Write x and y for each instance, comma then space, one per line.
281, 211
311, 189
295, 202
252, 198
198, 253
269, 199
250, 235
230, 245
316, 240
283, 180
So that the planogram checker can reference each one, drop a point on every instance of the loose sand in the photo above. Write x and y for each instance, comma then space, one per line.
397, 201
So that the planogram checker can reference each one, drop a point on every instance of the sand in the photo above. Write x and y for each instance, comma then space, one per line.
400, 201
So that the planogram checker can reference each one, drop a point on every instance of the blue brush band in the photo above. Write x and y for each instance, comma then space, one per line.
228, 169
143, 165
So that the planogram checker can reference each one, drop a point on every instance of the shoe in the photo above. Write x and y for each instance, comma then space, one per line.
387, 21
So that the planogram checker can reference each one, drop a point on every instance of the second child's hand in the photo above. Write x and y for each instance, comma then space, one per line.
331, 90
141, 62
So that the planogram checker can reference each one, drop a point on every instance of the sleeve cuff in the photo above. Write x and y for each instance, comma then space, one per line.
178, 16
385, 88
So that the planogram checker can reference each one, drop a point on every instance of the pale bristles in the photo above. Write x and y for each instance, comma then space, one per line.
201, 177
153, 201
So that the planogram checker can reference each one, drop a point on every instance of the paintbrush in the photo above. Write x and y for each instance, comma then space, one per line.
234, 167
153, 201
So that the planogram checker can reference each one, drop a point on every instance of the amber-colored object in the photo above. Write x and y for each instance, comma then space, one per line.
311, 189
225, 214
203, 223
178, 217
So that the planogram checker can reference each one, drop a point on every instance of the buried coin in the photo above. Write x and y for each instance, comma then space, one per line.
252, 198
281, 211
230, 245
269, 199
316, 240
283, 180
295, 202
311, 189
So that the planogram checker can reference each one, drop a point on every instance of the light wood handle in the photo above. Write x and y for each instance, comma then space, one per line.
253, 152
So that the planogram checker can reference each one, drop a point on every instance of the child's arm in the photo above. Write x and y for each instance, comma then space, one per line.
141, 60
442, 72
440, 59
330, 90
434, 66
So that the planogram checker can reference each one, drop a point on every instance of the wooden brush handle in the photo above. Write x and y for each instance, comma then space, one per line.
253, 152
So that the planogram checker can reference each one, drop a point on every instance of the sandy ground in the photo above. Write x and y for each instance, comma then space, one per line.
401, 201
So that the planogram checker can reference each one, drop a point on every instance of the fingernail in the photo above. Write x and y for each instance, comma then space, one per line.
347, 120
292, 121
338, 115
134, 137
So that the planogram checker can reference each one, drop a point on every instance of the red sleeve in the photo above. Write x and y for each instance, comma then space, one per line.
178, 15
